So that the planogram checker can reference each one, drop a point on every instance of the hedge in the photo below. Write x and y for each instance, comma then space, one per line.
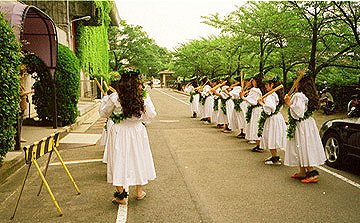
10, 60
67, 87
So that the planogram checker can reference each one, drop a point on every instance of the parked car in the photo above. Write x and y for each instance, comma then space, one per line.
341, 139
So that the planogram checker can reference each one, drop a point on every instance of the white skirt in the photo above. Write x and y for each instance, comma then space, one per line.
104, 137
215, 114
209, 106
230, 114
194, 106
305, 149
252, 127
129, 158
274, 133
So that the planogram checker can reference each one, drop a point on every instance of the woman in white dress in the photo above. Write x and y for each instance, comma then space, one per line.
194, 97
253, 114
209, 102
237, 121
304, 147
271, 126
129, 158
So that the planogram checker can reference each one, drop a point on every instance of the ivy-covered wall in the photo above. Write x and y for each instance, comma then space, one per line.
92, 42
10, 60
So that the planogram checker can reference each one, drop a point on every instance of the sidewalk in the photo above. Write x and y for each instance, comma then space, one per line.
15, 159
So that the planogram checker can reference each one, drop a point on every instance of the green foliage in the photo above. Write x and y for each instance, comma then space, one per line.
92, 45
278, 37
67, 87
129, 44
10, 59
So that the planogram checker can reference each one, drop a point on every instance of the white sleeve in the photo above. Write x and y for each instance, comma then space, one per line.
253, 97
150, 112
298, 106
106, 108
270, 104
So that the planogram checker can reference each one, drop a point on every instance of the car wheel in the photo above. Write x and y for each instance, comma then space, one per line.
333, 149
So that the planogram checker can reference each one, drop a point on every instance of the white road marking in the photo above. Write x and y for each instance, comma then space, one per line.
340, 177
168, 121
173, 97
121, 214
82, 138
76, 162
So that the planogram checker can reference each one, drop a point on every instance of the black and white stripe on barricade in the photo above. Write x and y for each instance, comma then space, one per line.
34, 152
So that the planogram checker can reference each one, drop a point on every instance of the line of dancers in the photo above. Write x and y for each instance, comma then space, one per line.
241, 106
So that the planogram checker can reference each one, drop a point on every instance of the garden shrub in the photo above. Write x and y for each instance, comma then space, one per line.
67, 87
10, 60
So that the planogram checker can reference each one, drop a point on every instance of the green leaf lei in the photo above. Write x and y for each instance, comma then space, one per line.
202, 100
249, 112
216, 104
191, 97
293, 122
237, 103
223, 105
263, 117
144, 93
118, 117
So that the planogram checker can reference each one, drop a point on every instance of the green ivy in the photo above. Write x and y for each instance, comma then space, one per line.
10, 60
67, 87
92, 43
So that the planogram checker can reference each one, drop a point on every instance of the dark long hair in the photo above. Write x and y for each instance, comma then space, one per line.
130, 94
280, 92
307, 87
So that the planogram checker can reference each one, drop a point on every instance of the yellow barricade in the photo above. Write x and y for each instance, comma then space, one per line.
34, 152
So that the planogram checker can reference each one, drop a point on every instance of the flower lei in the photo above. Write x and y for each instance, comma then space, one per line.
262, 119
223, 105
216, 104
237, 103
249, 112
293, 122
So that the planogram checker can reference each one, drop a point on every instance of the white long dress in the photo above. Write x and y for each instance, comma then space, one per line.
224, 96
252, 128
129, 158
194, 105
274, 132
108, 126
237, 118
209, 101
215, 114
305, 149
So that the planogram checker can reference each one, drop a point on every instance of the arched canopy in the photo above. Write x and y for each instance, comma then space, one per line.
35, 28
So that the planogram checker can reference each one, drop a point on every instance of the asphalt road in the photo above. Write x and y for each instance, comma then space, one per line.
203, 175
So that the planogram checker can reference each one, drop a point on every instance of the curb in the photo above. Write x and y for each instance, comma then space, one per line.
17, 158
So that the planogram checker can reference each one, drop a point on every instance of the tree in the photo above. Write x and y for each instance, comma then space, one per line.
129, 44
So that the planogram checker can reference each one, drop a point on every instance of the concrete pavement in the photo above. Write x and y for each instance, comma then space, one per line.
203, 175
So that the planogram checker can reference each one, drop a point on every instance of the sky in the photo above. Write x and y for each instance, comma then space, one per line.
172, 22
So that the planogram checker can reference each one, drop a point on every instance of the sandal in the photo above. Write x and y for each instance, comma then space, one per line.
119, 198
298, 176
142, 196
310, 180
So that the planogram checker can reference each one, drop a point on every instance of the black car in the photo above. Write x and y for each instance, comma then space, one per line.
341, 139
